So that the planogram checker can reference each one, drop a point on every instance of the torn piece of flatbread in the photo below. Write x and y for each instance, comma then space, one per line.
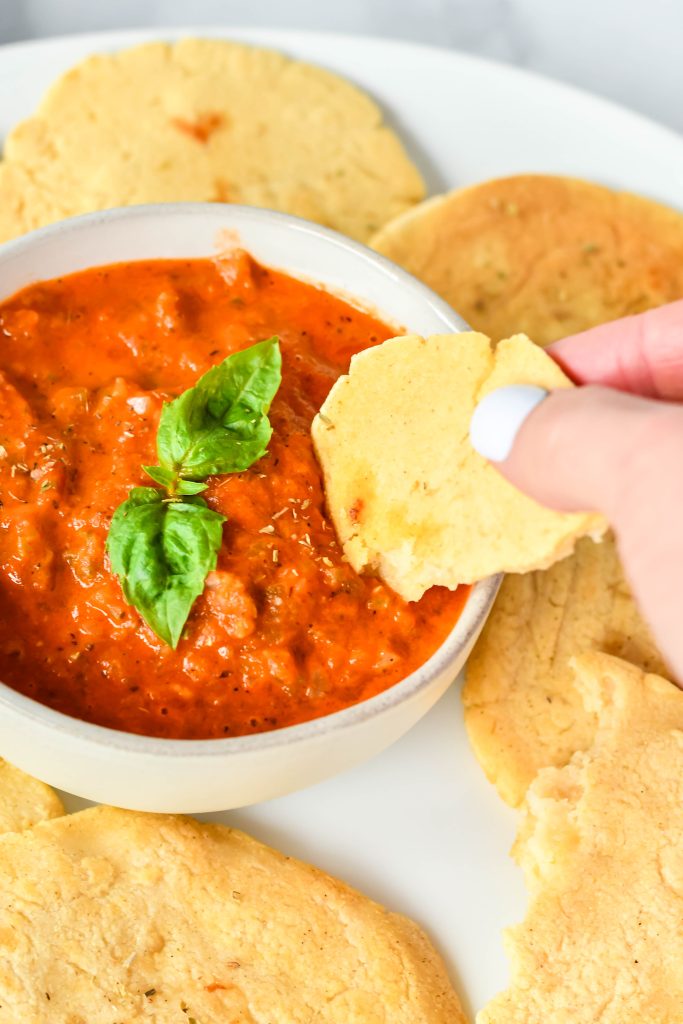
601, 845
24, 801
409, 496
523, 711
540, 254
109, 916
206, 120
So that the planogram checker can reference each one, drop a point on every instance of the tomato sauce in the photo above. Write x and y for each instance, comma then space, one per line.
285, 631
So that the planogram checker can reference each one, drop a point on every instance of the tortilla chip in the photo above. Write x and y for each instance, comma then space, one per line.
542, 255
601, 845
24, 801
409, 496
206, 120
522, 709
111, 916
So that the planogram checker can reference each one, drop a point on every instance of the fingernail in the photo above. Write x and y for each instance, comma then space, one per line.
497, 418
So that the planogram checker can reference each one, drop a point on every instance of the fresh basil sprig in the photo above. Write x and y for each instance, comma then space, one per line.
162, 544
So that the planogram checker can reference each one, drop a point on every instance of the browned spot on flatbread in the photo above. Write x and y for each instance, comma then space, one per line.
202, 128
356, 510
222, 192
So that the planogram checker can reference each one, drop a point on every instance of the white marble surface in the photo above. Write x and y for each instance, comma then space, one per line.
627, 50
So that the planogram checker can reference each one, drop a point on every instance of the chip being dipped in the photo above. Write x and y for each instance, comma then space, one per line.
409, 496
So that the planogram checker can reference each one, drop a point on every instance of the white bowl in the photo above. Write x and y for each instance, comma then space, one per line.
152, 774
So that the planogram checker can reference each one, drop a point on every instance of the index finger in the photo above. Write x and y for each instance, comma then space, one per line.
642, 354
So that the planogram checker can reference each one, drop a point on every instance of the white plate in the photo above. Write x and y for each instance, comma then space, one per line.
419, 828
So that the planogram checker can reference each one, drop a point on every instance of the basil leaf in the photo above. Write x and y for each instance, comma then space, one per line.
162, 551
221, 424
189, 487
162, 476
173, 484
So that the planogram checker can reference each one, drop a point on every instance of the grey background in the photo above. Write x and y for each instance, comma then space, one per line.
628, 50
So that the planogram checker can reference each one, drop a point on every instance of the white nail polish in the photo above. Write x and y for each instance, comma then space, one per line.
497, 418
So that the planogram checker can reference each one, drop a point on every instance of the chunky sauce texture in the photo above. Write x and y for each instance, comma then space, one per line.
285, 630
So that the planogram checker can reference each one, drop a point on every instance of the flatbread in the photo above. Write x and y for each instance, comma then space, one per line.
522, 709
409, 496
24, 801
211, 120
601, 845
543, 255
109, 916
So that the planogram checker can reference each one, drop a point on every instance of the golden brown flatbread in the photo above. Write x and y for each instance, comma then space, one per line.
211, 120
601, 845
109, 916
409, 496
546, 256
24, 801
522, 709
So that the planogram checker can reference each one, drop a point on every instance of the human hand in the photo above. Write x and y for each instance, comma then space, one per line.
614, 446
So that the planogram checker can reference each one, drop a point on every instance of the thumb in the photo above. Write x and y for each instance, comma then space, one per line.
569, 449
592, 448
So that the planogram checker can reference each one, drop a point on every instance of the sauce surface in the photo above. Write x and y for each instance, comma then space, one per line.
285, 631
